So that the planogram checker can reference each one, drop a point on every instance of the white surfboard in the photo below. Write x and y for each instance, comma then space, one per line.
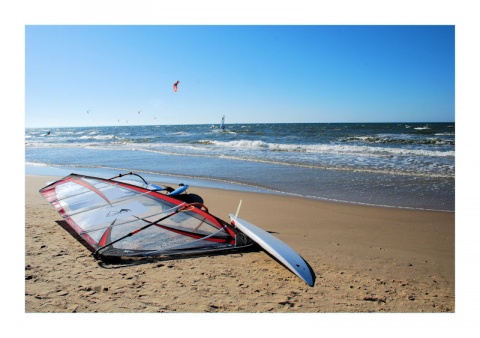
278, 249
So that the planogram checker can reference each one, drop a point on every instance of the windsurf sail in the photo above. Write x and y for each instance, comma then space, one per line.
222, 124
118, 219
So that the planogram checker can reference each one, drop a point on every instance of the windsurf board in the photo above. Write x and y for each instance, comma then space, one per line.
278, 249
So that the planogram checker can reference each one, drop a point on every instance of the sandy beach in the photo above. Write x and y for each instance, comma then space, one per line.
366, 259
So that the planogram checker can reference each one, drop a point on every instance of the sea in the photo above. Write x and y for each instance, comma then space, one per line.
400, 165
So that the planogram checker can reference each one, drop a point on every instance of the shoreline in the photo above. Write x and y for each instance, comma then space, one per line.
205, 183
366, 259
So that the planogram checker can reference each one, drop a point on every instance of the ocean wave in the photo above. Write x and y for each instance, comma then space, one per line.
382, 152
426, 127
94, 136
208, 146
306, 152
328, 148
180, 133
401, 140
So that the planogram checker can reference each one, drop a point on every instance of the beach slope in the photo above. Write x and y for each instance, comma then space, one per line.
366, 259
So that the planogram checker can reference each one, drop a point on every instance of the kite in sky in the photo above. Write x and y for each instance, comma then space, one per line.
175, 86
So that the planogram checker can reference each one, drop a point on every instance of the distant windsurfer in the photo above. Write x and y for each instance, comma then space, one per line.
222, 124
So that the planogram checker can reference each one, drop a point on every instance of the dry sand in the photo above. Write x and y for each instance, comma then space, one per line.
366, 259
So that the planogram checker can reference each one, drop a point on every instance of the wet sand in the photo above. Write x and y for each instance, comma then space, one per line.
366, 259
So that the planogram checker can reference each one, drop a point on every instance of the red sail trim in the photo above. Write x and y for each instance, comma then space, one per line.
50, 194
81, 232
106, 237
88, 186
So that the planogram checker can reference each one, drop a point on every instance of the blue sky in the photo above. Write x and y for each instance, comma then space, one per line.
251, 74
